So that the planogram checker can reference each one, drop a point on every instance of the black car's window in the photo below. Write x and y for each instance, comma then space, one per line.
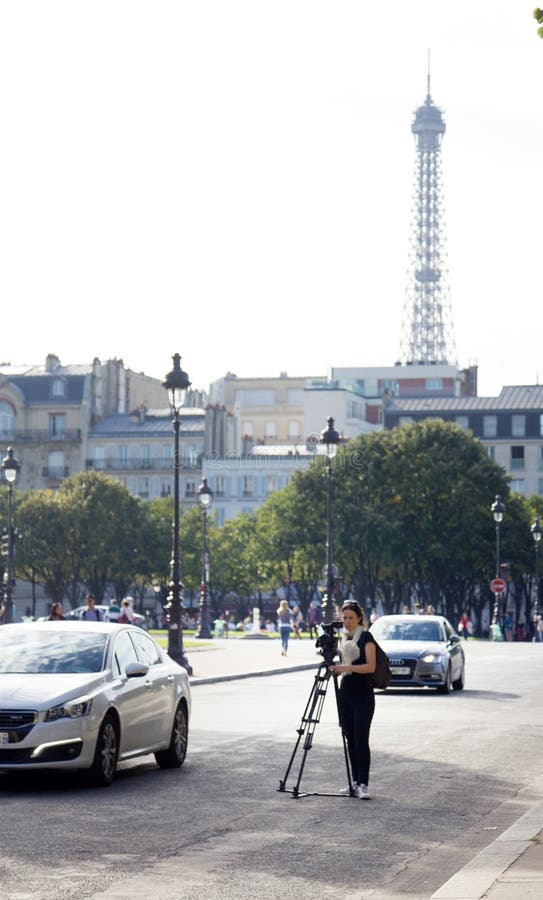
50, 652
123, 653
147, 650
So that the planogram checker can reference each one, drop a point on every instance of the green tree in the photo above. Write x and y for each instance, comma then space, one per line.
538, 16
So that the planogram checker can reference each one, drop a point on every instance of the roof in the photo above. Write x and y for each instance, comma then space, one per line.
126, 425
515, 397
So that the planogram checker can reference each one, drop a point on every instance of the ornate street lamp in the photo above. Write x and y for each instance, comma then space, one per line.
329, 441
10, 468
205, 499
536, 534
497, 509
176, 383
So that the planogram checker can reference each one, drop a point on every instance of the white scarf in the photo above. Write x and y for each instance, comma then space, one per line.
348, 648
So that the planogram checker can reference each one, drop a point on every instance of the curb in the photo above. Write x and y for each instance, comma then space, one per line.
475, 879
214, 679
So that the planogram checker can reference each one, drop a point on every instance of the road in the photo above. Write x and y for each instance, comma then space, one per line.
449, 773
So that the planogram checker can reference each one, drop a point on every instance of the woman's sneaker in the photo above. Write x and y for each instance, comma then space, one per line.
346, 791
362, 792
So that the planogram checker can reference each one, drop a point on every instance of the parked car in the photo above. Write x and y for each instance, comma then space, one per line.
423, 651
108, 616
84, 695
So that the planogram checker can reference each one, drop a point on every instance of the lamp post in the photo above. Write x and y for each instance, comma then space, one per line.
205, 499
536, 534
497, 510
176, 384
329, 441
11, 468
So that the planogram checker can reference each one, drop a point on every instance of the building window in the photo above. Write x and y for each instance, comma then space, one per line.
190, 488
540, 490
434, 384
219, 486
247, 485
491, 452
271, 484
517, 457
293, 429
143, 488
247, 429
271, 430
55, 464
255, 398
58, 388
167, 454
190, 453
99, 457
145, 456
462, 421
295, 397
7, 421
490, 426
165, 487
541, 424
123, 456
56, 425
518, 426
517, 485
541, 457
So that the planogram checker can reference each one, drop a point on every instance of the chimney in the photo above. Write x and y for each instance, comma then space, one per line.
52, 362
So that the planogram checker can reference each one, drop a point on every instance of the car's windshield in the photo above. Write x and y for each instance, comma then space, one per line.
390, 630
41, 652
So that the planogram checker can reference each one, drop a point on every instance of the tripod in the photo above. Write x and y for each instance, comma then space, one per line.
310, 719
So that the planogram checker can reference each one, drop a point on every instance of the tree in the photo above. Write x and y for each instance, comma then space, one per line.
538, 16
41, 555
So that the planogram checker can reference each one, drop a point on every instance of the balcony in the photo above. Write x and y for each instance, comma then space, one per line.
155, 464
44, 436
55, 472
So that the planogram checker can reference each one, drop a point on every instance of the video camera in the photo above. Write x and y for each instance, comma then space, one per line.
328, 640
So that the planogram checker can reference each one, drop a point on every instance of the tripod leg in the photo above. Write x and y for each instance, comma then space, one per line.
344, 739
310, 719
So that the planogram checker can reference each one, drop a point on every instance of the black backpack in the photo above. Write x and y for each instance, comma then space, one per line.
382, 676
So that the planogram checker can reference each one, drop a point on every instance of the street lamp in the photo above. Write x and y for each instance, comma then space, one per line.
10, 468
205, 499
176, 383
497, 510
329, 441
536, 534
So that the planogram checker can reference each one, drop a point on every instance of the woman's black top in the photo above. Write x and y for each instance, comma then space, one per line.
355, 682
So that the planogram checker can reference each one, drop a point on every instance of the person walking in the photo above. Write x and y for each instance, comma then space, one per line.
284, 624
356, 703
91, 613
55, 614
126, 615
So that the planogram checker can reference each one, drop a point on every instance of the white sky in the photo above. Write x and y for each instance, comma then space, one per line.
231, 180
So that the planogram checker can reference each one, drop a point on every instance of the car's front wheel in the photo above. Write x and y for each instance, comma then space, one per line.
458, 685
446, 687
174, 756
102, 771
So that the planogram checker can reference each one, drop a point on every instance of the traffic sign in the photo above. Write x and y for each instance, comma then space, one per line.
497, 586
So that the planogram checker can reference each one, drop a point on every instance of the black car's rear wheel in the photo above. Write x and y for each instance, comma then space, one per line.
174, 756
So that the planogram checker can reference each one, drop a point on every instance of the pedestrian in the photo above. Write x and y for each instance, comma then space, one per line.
406, 610
465, 628
430, 611
356, 703
126, 615
312, 620
113, 612
284, 625
297, 620
91, 613
521, 631
508, 626
55, 613
538, 629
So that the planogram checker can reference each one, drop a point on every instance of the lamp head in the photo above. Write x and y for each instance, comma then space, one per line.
205, 494
11, 467
329, 439
536, 531
498, 509
177, 383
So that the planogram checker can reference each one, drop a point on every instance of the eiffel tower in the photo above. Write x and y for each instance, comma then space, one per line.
427, 331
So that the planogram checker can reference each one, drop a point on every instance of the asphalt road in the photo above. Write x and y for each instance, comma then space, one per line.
449, 773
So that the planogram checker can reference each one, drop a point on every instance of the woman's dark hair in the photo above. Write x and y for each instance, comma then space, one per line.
357, 609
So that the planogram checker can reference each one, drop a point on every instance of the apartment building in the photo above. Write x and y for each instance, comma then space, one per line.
510, 426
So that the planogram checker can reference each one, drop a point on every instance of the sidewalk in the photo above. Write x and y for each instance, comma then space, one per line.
510, 868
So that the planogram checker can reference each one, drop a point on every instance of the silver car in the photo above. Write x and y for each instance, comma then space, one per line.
423, 651
84, 695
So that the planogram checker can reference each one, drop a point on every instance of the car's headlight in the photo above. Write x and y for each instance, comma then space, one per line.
72, 710
431, 658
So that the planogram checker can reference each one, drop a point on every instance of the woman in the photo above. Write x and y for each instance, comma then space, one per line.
356, 703
55, 614
284, 623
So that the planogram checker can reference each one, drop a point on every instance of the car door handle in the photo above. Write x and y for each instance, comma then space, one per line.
171, 677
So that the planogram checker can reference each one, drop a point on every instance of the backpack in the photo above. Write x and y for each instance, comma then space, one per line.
382, 676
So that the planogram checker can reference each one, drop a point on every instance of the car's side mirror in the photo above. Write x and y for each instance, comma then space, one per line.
455, 639
136, 669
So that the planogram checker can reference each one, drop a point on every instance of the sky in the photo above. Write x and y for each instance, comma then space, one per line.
232, 180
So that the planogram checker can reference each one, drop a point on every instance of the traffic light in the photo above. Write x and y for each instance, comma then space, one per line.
5, 540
